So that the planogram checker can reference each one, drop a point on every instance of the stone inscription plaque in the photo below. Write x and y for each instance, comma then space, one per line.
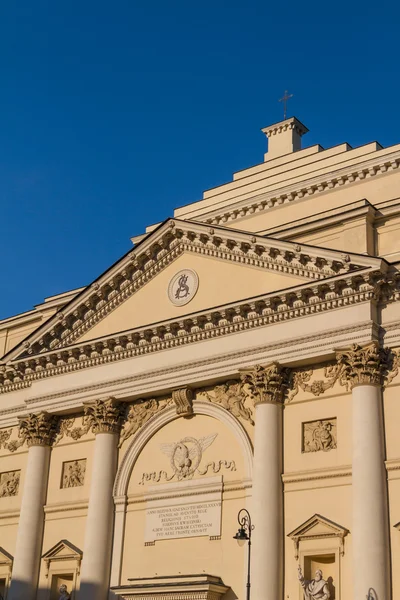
185, 520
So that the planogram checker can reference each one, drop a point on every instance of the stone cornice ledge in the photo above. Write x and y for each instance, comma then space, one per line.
66, 506
317, 474
305, 189
297, 302
158, 381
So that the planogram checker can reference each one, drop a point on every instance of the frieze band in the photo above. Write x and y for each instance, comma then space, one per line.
358, 365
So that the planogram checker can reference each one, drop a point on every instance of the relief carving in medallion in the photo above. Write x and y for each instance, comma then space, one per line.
9, 483
185, 458
73, 473
319, 435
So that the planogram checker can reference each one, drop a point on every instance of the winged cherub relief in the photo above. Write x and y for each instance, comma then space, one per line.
232, 396
138, 414
185, 457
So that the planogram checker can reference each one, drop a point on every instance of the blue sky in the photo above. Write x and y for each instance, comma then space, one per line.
114, 113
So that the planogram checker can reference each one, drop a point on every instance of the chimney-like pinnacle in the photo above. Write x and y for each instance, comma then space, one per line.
284, 137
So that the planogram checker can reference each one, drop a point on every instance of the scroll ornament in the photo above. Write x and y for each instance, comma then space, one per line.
183, 399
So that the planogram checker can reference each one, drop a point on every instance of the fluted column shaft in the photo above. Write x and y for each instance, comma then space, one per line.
363, 370
267, 385
38, 431
96, 563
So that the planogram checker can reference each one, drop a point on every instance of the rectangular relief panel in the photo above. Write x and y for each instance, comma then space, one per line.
73, 473
319, 436
9, 483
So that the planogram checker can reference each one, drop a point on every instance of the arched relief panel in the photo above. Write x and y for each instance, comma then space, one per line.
217, 453
168, 415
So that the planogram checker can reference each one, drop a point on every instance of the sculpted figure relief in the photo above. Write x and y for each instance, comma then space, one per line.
74, 473
316, 589
319, 435
137, 416
9, 484
64, 594
232, 396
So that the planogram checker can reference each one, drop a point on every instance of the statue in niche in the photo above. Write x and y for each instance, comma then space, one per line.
319, 435
315, 589
64, 594
232, 396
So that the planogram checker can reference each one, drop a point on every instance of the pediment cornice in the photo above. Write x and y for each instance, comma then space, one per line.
5, 557
317, 527
310, 187
163, 246
307, 299
62, 550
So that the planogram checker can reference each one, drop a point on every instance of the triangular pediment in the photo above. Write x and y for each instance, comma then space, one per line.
231, 266
63, 550
318, 527
5, 557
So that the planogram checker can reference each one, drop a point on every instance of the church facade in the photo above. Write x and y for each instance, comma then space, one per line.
238, 368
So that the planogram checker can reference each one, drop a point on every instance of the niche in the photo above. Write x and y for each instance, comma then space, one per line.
58, 580
328, 565
2, 588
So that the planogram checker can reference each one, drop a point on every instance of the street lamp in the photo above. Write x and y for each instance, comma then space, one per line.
244, 534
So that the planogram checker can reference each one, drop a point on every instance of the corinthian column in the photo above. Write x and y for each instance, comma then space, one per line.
266, 385
363, 369
104, 418
38, 431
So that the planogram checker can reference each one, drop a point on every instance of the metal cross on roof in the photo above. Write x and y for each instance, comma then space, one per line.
284, 99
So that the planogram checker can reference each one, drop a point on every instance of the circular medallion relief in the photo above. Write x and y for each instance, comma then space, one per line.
183, 287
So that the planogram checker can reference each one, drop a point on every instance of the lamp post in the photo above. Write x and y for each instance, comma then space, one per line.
244, 534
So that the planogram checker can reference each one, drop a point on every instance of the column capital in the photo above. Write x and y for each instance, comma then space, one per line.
266, 384
363, 365
104, 416
38, 429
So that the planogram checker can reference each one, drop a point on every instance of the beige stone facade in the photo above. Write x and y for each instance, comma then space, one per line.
243, 355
